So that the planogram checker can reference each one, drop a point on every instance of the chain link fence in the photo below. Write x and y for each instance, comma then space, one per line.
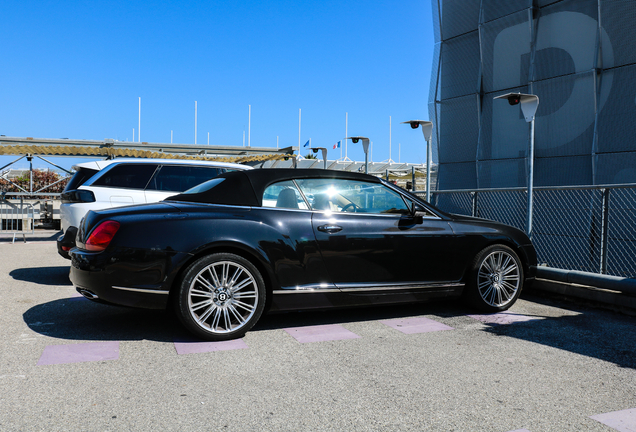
590, 229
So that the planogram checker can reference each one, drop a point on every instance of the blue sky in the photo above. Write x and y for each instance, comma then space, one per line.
76, 69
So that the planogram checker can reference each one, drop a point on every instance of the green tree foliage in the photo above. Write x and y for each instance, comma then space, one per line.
41, 179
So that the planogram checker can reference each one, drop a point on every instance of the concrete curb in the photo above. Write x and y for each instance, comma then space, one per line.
38, 235
614, 283
599, 297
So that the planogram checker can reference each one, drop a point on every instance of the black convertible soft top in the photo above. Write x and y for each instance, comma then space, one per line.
245, 188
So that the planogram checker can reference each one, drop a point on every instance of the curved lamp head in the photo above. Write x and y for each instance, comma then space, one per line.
529, 103
365, 142
323, 150
293, 158
427, 127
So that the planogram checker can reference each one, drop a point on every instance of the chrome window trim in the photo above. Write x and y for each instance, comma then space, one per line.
348, 214
282, 208
386, 215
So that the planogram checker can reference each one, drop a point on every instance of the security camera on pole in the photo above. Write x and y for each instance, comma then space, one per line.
427, 130
365, 147
529, 104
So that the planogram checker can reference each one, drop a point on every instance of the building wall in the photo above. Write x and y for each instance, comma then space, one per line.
578, 56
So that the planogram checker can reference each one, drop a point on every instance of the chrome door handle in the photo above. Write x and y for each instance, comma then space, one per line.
329, 229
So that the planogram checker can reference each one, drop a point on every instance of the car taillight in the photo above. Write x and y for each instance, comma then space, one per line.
77, 196
101, 236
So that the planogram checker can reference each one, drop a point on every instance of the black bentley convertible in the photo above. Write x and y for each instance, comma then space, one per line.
245, 242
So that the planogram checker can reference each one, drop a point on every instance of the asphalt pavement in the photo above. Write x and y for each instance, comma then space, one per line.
69, 364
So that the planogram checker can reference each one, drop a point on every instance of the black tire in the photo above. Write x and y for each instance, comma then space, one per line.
220, 297
494, 280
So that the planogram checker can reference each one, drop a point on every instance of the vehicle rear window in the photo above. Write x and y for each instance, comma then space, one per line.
78, 179
204, 187
130, 176
179, 178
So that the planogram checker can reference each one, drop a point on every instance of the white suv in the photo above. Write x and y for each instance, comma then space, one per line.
113, 183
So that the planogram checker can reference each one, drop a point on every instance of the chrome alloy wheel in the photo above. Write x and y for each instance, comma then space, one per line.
499, 278
223, 297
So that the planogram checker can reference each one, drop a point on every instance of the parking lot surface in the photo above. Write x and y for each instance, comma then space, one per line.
69, 364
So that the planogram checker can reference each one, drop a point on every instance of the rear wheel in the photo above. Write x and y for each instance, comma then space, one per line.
495, 279
221, 296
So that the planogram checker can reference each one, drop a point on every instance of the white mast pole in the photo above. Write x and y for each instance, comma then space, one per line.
346, 132
139, 125
298, 130
249, 125
195, 122
390, 160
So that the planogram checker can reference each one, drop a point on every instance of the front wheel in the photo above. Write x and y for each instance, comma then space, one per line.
495, 279
221, 296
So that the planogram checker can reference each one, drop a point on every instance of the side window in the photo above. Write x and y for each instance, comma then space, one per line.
179, 178
79, 178
352, 196
424, 211
283, 195
125, 175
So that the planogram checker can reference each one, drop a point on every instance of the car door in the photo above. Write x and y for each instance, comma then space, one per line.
369, 238
122, 184
290, 244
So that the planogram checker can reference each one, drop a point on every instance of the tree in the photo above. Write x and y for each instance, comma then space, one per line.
41, 179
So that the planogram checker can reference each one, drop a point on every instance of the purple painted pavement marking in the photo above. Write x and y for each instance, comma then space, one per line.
205, 347
502, 318
320, 333
77, 353
622, 421
416, 325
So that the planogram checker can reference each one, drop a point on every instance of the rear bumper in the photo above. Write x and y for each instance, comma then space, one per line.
135, 278
66, 242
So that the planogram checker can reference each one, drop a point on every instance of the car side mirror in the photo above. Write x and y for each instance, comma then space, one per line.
418, 217
416, 214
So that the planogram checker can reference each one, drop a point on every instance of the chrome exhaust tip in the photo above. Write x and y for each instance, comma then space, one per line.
88, 294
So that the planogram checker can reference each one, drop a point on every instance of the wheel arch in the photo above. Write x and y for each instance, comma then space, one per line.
260, 262
505, 241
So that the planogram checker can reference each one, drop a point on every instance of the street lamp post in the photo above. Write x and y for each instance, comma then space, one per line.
427, 130
365, 147
293, 158
529, 104
323, 150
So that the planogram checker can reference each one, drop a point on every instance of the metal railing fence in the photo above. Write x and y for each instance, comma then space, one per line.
587, 228
16, 218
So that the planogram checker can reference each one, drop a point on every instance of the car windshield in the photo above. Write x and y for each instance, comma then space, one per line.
206, 186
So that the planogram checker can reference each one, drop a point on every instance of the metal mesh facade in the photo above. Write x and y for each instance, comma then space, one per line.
591, 229
578, 56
